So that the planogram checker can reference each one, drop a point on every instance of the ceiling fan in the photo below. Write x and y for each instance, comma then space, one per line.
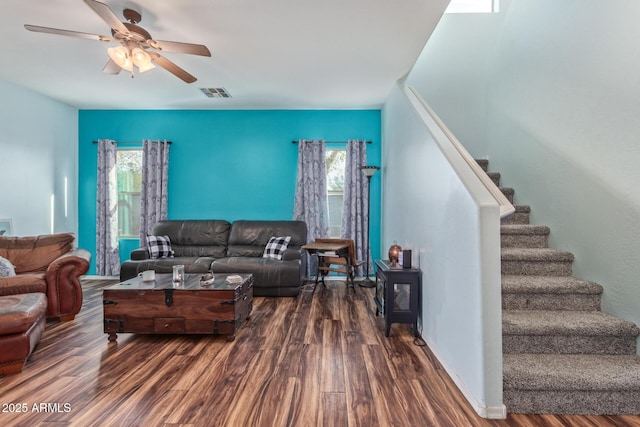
135, 43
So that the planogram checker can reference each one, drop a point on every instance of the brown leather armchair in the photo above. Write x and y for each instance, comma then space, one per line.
47, 264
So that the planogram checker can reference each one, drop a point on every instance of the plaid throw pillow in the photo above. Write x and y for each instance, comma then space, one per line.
276, 246
159, 247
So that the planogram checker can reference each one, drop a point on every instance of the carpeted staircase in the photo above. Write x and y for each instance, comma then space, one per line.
561, 354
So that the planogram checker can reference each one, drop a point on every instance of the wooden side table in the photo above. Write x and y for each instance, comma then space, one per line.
397, 294
339, 250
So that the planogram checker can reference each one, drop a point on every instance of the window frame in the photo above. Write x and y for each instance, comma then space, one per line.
334, 192
455, 4
129, 193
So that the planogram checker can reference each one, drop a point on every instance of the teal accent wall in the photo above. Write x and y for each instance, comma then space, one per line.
223, 164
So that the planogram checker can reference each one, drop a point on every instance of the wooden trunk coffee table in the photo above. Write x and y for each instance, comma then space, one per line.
162, 307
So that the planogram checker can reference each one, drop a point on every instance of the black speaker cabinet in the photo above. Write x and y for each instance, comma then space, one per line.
397, 294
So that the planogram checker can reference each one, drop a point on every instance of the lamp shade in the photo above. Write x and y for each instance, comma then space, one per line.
142, 59
120, 55
369, 171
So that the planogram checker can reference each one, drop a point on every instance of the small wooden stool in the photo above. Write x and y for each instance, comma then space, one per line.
22, 321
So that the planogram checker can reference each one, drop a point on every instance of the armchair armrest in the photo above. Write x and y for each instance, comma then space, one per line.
64, 292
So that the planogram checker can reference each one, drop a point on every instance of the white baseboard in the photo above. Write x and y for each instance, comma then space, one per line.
489, 412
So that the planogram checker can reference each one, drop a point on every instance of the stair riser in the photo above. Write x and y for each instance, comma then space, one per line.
537, 268
569, 344
524, 241
516, 218
575, 302
572, 402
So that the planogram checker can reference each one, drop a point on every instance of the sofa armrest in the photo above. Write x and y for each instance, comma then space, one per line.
139, 254
64, 291
296, 253
292, 253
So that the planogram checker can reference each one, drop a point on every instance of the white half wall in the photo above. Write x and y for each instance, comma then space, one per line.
39, 146
548, 90
429, 209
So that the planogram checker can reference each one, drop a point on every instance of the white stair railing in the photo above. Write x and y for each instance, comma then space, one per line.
506, 208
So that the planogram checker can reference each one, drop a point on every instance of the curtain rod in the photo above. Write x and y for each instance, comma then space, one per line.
332, 142
140, 142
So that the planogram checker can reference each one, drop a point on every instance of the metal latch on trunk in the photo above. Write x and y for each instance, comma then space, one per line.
168, 297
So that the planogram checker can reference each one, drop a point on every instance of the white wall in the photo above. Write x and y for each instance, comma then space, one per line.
549, 90
428, 208
39, 148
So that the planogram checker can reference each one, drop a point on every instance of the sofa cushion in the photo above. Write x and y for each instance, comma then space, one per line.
19, 312
276, 246
159, 247
270, 276
195, 237
35, 253
23, 284
6, 268
249, 237
196, 265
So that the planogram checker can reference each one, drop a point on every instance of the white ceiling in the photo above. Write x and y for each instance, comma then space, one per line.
268, 54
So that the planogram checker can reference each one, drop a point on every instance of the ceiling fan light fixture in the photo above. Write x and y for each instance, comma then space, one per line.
142, 59
130, 36
120, 55
143, 68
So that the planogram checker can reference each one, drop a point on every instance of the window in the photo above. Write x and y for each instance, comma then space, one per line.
335, 164
129, 168
472, 6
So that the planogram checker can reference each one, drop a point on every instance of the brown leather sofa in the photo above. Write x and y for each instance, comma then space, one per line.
47, 264
22, 322
46, 284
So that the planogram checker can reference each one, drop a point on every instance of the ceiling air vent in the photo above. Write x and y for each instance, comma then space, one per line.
215, 92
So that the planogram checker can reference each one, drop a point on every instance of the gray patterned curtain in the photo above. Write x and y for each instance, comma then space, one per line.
107, 255
154, 194
311, 204
355, 225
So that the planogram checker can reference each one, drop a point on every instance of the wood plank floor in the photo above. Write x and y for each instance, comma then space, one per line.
317, 360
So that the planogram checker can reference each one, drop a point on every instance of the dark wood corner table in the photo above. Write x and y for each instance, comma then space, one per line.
398, 294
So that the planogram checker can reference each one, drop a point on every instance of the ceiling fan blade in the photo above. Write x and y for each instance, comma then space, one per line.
177, 47
38, 29
111, 68
172, 68
108, 16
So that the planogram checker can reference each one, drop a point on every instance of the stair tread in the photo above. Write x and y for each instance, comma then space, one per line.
565, 322
535, 254
524, 229
512, 283
484, 163
546, 309
571, 372
522, 208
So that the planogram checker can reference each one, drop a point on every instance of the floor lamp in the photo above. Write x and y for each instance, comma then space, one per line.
368, 171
